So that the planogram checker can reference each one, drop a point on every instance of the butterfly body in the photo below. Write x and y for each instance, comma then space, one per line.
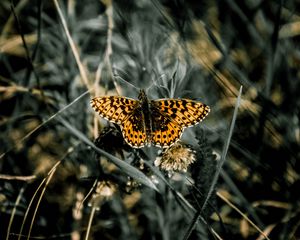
144, 122
144, 111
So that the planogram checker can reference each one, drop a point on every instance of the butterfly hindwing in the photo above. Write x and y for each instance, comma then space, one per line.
133, 129
165, 132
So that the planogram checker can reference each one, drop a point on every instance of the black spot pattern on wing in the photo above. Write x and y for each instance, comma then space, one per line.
114, 108
160, 122
133, 129
165, 132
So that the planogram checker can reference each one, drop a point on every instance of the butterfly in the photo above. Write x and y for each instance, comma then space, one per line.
144, 122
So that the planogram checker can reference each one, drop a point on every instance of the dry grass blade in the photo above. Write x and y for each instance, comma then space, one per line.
18, 178
82, 69
243, 215
219, 167
88, 229
225, 149
44, 123
127, 168
14, 212
53, 51
47, 180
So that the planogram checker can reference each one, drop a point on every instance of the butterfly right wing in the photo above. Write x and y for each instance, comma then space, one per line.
165, 132
171, 116
184, 112
125, 112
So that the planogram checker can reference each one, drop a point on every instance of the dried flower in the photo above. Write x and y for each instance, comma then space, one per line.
176, 158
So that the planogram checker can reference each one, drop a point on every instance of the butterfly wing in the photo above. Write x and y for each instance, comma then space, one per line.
171, 116
134, 130
184, 112
114, 108
165, 132
124, 112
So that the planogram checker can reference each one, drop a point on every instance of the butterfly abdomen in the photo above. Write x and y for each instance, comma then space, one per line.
145, 110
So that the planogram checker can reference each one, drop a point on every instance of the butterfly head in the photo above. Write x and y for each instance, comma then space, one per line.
142, 96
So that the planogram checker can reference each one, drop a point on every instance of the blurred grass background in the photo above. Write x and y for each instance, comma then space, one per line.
56, 55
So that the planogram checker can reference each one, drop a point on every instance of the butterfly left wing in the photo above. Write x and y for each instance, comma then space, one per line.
134, 130
171, 116
114, 108
125, 112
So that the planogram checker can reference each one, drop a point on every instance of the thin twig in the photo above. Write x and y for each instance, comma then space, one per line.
18, 178
88, 229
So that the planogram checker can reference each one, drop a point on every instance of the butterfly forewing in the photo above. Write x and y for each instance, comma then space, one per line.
184, 112
114, 108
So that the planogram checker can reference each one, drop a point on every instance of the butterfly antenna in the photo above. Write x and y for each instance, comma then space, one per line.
155, 83
119, 78
173, 82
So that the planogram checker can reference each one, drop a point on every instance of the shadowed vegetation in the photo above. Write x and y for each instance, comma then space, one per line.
66, 173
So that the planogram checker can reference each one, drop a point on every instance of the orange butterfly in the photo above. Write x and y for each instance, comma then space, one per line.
160, 122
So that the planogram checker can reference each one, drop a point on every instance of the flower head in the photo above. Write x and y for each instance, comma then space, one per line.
176, 158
